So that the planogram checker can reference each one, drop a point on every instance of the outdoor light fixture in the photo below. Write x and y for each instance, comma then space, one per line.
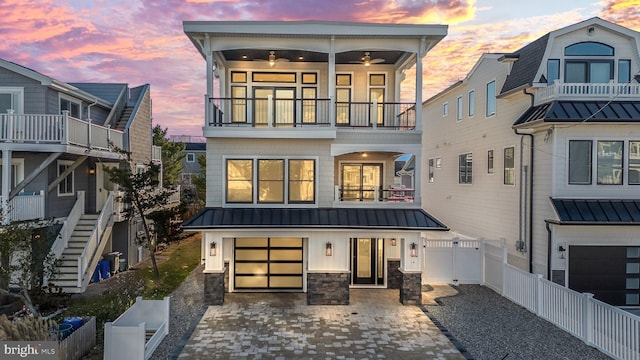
92, 171
328, 250
562, 250
393, 242
272, 59
212, 248
413, 248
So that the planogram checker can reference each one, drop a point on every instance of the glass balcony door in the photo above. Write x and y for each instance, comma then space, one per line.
359, 181
280, 111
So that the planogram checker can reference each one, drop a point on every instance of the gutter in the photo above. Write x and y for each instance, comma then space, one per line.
547, 224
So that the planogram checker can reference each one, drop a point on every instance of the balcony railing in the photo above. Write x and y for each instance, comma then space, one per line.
26, 206
587, 91
376, 194
56, 129
272, 112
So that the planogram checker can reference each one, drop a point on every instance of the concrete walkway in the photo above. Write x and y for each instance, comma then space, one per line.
281, 326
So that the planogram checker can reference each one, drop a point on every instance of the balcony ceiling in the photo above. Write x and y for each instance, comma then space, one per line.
389, 57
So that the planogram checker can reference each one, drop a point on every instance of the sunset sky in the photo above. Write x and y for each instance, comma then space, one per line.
139, 41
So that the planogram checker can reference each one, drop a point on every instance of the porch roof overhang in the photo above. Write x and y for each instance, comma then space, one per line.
579, 111
313, 218
312, 40
596, 211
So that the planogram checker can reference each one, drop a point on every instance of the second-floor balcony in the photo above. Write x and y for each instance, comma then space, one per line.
587, 91
62, 129
288, 113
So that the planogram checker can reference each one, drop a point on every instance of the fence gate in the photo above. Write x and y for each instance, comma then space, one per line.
452, 261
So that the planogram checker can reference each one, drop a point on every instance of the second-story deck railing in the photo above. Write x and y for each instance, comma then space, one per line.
56, 129
273, 112
587, 91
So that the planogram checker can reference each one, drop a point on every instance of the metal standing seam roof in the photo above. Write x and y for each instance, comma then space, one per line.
597, 211
325, 218
577, 111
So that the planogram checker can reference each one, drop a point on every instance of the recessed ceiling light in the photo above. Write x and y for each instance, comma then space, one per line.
300, 57
244, 57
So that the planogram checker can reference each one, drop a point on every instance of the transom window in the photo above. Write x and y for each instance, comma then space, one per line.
273, 179
593, 69
589, 48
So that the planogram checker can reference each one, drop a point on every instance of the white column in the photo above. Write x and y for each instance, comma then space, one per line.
6, 184
332, 81
422, 51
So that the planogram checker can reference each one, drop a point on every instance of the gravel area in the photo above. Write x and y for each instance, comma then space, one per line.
489, 326
186, 309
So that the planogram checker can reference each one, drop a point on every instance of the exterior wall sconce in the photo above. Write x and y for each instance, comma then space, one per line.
561, 249
413, 249
328, 250
212, 249
393, 242
92, 171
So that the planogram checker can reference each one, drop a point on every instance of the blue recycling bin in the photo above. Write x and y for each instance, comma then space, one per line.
75, 322
96, 274
105, 269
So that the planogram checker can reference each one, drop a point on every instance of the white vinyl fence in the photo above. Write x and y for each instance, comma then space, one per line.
136, 333
613, 331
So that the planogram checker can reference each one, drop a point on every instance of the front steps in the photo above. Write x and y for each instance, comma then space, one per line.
67, 276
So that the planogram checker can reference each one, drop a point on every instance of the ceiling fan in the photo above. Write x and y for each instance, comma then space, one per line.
272, 59
366, 60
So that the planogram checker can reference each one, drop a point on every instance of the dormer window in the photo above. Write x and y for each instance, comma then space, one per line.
593, 67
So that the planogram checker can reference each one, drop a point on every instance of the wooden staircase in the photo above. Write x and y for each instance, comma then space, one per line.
124, 118
67, 276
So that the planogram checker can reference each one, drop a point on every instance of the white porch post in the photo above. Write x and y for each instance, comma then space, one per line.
6, 184
422, 51
332, 81
208, 114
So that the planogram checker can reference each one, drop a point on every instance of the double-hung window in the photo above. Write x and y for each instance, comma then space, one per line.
465, 168
610, 166
70, 105
509, 166
65, 187
459, 109
491, 99
240, 181
580, 162
472, 103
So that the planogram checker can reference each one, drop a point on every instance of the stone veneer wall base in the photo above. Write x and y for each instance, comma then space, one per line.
411, 288
394, 276
328, 288
214, 288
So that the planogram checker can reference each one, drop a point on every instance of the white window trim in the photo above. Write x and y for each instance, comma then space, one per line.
15, 90
458, 168
73, 178
459, 107
494, 162
18, 175
495, 97
431, 180
469, 114
503, 167
193, 157
445, 109
594, 162
438, 162
70, 99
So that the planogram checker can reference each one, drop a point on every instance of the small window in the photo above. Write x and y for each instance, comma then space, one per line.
459, 109
472, 103
580, 162
445, 109
610, 167
553, 70
509, 166
624, 71
465, 168
191, 157
438, 163
343, 80
376, 80
274, 77
431, 170
238, 77
588, 48
633, 252
73, 107
65, 187
490, 162
491, 98
309, 78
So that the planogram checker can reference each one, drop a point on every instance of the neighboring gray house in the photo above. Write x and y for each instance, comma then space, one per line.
59, 138
190, 165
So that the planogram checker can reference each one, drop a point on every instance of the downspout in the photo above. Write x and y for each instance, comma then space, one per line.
95, 102
527, 132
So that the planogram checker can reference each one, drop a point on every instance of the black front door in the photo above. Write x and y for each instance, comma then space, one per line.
367, 262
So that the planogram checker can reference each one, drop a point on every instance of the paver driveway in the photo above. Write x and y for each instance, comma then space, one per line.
282, 326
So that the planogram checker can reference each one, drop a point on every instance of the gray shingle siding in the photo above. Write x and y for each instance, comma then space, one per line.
525, 68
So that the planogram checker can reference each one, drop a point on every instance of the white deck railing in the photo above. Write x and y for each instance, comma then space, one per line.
613, 331
26, 207
62, 240
88, 259
56, 129
125, 338
587, 91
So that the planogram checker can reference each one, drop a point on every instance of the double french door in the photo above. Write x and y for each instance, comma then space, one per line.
275, 105
360, 181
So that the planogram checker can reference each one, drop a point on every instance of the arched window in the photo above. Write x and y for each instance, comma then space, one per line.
588, 48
